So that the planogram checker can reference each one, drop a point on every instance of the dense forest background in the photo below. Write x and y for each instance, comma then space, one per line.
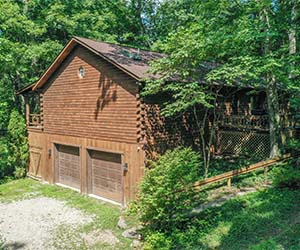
252, 41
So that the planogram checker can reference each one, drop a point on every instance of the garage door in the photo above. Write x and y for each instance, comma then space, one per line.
68, 166
105, 174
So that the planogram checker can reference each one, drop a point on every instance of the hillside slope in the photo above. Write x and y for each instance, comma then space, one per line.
268, 219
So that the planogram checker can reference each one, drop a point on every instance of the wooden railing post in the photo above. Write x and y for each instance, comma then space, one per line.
27, 110
265, 174
229, 182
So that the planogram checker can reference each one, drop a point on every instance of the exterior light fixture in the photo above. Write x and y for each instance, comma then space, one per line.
81, 72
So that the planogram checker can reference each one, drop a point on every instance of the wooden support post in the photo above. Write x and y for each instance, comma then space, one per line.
265, 173
27, 110
229, 182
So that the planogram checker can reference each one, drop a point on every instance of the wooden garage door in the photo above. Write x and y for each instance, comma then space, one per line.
105, 173
68, 166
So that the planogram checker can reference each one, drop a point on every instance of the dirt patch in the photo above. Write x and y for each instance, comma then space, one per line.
29, 224
96, 237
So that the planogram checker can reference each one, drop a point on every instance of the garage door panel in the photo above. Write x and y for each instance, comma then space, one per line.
105, 156
106, 175
68, 166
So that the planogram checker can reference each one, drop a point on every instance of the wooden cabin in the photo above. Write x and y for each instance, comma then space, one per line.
89, 130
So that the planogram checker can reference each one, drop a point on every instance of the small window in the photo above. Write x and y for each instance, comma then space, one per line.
81, 72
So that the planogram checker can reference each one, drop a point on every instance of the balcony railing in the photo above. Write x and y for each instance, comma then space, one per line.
35, 120
259, 122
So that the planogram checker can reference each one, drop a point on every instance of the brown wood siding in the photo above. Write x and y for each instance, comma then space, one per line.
101, 105
45, 145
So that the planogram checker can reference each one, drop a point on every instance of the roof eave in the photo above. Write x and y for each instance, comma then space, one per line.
26, 89
108, 59
58, 60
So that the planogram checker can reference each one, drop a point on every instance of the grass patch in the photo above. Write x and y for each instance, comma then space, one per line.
1, 243
263, 220
105, 215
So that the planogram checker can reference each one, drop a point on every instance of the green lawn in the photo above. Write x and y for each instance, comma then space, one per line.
264, 220
105, 215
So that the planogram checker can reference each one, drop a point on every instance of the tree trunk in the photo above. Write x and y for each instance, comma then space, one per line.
274, 117
292, 31
272, 95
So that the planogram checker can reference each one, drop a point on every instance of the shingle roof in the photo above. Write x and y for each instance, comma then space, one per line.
132, 60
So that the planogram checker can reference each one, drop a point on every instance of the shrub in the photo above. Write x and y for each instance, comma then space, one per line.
288, 176
18, 144
5, 168
157, 241
267, 245
293, 146
160, 206
14, 148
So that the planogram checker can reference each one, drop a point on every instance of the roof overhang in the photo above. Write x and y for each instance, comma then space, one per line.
106, 58
26, 89
53, 67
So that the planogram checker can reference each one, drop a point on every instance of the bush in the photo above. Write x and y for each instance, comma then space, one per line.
267, 245
160, 206
14, 148
293, 146
288, 176
5, 168
157, 241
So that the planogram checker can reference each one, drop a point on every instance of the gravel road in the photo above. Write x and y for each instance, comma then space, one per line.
29, 224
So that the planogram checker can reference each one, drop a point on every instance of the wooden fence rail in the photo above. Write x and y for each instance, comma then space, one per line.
248, 169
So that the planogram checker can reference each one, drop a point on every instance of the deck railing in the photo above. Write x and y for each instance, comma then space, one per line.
237, 172
260, 122
35, 120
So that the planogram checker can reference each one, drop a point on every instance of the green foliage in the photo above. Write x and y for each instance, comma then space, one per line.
157, 241
1, 244
4, 155
267, 245
14, 148
18, 145
288, 176
237, 43
262, 220
160, 206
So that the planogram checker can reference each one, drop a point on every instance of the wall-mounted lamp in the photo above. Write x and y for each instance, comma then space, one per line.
125, 167
49, 153
81, 72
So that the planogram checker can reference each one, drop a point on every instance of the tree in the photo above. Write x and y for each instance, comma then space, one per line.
247, 41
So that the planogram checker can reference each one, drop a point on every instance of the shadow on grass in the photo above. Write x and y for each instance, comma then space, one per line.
13, 246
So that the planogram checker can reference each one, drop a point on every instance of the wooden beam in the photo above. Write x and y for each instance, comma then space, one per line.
27, 110
230, 174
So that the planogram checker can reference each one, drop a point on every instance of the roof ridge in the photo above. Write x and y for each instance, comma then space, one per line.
117, 44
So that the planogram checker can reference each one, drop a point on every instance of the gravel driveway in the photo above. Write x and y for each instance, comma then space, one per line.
31, 224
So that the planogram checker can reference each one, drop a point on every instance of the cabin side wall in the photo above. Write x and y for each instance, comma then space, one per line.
101, 105
99, 111
242, 127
